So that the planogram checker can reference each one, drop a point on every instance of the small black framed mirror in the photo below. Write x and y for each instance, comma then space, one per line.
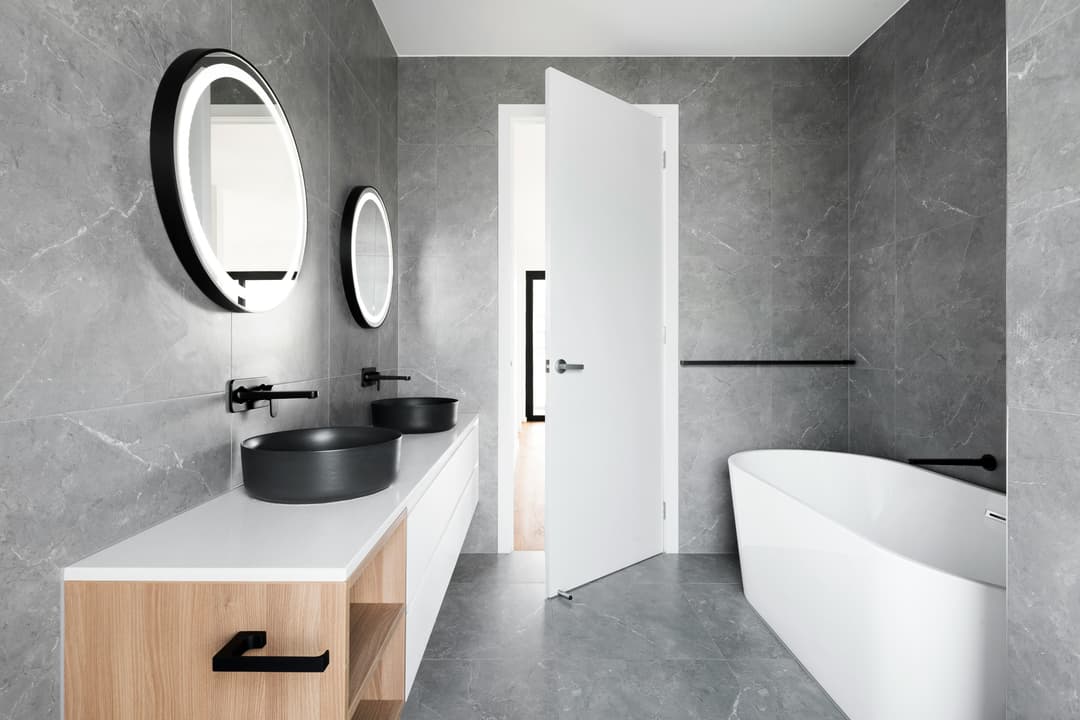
367, 256
228, 180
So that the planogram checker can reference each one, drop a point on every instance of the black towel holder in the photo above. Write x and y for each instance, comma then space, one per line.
231, 657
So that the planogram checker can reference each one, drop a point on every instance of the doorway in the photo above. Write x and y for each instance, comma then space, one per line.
521, 442
531, 447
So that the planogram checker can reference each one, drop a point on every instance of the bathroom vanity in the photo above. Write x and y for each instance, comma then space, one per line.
245, 609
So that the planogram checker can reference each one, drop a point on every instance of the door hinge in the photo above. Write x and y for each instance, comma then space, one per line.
663, 510
665, 334
663, 159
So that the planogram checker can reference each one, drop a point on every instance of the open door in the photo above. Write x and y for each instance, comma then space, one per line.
604, 282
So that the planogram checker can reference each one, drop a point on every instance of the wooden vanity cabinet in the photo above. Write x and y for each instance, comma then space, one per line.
142, 650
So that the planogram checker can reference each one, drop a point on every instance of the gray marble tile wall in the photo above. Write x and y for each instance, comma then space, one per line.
763, 249
1043, 279
927, 198
112, 376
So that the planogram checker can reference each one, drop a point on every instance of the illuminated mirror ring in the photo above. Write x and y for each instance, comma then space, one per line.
228, 179
367, 256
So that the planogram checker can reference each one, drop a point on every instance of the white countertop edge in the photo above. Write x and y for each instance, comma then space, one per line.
87, 573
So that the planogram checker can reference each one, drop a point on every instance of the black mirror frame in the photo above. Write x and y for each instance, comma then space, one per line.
348, 263
163, 163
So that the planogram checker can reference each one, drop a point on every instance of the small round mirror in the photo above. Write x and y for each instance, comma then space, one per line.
367, 256
228, 180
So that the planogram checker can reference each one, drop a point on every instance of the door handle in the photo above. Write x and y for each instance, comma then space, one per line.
562, 366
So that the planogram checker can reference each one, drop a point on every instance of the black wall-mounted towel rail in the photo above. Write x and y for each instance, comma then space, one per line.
986, 462
231, 657
797, 363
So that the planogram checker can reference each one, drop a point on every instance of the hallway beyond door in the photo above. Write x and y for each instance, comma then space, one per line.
529, 488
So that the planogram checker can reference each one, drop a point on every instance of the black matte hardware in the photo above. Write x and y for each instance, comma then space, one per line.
794, 363
414, 415
253, 393
370, 376
231, 657
986, 462
531, 277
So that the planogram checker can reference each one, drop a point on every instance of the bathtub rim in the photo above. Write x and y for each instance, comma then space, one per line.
855, 533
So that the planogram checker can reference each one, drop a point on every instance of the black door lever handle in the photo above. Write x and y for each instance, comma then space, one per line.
231, 658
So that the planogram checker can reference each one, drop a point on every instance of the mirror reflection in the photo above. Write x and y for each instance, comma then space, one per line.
243, 181
367, 256
229, 180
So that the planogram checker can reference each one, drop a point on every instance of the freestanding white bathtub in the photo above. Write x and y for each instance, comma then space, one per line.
886, 581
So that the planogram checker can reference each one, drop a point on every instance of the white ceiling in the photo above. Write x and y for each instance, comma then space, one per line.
632, 27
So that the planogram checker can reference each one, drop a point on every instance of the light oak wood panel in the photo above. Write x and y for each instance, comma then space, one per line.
143, 650
379, 710
387, 680
381, 579
372, 627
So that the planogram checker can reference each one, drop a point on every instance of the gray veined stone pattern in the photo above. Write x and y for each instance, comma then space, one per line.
1043, 275
763, 252
672, 637
112, 411
927, 255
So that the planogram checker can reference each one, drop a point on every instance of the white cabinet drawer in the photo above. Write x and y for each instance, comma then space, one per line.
423, 607
430, 517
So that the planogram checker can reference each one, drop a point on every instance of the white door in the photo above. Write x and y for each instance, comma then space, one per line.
604, 231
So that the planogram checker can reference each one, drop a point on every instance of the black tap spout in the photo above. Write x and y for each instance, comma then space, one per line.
371, 376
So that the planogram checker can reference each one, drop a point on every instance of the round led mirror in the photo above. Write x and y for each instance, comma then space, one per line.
367, 256
228, 180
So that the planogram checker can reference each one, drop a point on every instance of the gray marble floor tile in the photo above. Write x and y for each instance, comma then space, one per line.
780, 690
518, 655
504, 621
679, 569
735, 626
522, 566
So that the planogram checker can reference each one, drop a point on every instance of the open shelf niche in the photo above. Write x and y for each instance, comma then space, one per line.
377, 631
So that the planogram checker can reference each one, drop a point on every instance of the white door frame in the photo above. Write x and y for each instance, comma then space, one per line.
507, 420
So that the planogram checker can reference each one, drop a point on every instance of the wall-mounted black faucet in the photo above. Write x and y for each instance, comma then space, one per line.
370, 376
986, 462
251, 393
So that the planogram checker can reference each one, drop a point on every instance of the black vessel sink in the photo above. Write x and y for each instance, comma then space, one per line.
415, 414
316, 465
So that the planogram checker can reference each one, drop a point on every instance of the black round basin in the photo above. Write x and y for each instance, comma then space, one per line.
320, 464
414, 415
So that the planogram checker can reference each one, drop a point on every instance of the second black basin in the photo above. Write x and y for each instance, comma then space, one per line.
320, 464
415, 414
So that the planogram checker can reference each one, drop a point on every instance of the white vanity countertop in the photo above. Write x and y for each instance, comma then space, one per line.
235, 538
